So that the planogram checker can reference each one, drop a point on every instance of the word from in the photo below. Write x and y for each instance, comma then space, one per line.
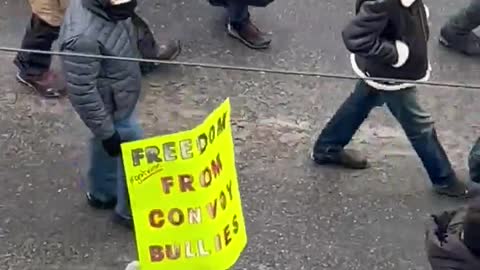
186, 181
172, 151
193, 249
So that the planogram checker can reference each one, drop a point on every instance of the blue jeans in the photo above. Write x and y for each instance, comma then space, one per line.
238, 13
106, 175
403, 104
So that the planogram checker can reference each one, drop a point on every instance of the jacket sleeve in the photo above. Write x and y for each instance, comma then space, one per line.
362, 35
81, 76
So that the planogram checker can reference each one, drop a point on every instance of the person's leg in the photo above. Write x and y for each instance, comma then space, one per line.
241, 27
129, 130
420, 131
474, 162
34, 68
329, 147
458, 34
38, 36
238, 13
102, 177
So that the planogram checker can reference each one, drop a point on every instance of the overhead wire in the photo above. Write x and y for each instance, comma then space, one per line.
285, 72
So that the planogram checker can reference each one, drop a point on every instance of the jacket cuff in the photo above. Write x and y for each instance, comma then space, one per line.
105, 131
403, 52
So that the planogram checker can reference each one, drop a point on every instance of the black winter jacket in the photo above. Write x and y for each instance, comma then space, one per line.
379, 36
444, 244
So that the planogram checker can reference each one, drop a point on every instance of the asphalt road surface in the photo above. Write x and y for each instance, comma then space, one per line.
298, 216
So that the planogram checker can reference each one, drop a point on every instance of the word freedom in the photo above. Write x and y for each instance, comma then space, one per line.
175, 150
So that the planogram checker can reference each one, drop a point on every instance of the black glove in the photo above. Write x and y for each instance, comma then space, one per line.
112, 145
443, 221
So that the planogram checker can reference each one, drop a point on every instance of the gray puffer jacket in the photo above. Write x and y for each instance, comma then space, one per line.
101, 91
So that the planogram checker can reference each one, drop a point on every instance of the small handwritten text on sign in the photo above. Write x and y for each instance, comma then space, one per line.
185, 197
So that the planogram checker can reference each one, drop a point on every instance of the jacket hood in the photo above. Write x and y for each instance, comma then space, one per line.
450, 253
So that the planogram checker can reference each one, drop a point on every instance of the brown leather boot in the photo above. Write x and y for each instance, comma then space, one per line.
459, 189
346, 158
166, 52
169, 51
47, 85
249, 35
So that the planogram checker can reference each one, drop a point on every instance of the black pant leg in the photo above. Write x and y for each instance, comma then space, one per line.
38, 36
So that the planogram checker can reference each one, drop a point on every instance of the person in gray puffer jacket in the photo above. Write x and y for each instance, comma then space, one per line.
104, 92
453, 239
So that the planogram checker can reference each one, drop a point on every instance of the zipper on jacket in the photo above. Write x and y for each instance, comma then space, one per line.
423, 23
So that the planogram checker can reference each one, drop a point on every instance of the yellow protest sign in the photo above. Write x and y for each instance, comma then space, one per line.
185, 197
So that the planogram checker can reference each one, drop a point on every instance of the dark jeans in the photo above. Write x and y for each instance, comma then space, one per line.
238, 9
474, 162
466, 19
403, 104
237, 13
38, 36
